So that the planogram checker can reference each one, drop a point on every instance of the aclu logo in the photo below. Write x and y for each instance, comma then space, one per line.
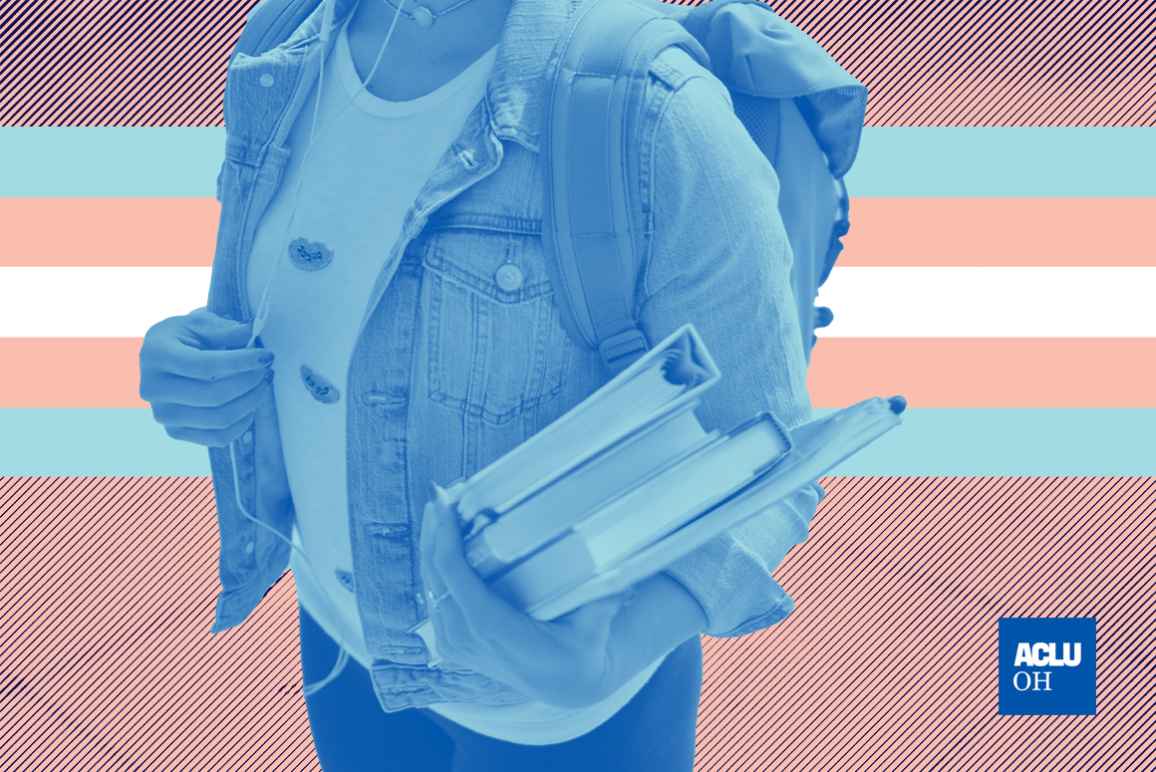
1047, 666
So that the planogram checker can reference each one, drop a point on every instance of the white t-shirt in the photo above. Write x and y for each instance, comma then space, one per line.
367, 165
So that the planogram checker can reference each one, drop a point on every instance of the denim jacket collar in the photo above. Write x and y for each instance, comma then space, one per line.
516, 89
516, 92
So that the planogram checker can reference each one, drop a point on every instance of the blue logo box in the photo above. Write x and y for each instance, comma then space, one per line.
1047, 666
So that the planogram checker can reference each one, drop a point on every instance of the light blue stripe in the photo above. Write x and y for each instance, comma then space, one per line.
110, 161
123, 441
1012, 441
1005, 162
929, 442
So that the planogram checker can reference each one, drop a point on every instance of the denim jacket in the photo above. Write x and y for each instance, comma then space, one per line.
453, 366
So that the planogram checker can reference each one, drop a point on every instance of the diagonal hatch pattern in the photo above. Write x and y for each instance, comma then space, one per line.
1035, 63
889, 661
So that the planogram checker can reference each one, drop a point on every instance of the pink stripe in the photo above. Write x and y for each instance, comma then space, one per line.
109, 231
986, 372
930, 372
884, 231
999, 231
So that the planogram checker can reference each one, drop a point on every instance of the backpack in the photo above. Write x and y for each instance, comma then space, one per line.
803, 111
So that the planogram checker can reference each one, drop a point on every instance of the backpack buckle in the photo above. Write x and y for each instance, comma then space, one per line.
622, 348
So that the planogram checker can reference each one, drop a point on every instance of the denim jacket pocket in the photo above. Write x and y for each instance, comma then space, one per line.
496, 343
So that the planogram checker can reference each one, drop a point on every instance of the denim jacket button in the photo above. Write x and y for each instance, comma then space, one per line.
266, 80
248, 548
422, 16
247, 437
321, 389
509, 277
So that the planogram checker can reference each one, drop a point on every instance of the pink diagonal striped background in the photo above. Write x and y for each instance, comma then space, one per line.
106, 586
998, 63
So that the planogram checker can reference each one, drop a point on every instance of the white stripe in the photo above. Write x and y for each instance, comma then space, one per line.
868, 302
95, 302
984, 302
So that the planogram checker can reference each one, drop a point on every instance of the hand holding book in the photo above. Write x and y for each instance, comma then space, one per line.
563, 662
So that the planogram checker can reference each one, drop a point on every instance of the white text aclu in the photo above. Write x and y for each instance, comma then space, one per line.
1045, 654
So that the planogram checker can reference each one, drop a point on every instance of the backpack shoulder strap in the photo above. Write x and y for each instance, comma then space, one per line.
591, 228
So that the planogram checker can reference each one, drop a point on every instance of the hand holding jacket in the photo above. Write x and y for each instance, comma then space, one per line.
204, 385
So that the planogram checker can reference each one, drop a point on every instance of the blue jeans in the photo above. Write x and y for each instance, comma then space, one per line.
654, 731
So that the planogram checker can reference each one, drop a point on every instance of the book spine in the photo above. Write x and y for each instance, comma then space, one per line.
564, 564
564, 503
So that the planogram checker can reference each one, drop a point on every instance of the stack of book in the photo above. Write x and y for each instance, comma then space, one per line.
628, 481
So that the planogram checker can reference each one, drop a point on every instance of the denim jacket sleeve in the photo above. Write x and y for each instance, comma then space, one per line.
718, 256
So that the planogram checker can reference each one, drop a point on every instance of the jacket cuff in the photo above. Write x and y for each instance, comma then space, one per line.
733, 587
730, 576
